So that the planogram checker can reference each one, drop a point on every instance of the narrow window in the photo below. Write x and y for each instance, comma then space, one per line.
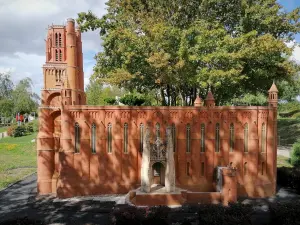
188, 169
59, 40
56, 55
60, 55
93, 138
125, 138
109, 138
157, 130
263, 138
77, 138
231, 137
217, 147
188, 138
245, 168
174, 137
262, 168
246, 131
141, 136
202, 169
56, 39
202, 137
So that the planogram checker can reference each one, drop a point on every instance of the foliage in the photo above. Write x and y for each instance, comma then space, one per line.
134, 99
285, 213
288, 131
25, 100
29, 127
179, 48
251, 100
289, 90
288, 106
295, 156
289, 177
110, 101
6, 86
20, 131
6, 107
296, 115
97, 93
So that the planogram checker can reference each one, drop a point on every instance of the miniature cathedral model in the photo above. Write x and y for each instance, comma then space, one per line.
198, 154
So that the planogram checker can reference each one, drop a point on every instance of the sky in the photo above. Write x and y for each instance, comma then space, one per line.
23, 28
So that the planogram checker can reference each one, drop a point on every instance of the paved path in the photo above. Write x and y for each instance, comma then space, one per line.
20, 200
284, 151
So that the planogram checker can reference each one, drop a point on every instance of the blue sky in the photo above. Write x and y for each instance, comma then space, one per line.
23, 29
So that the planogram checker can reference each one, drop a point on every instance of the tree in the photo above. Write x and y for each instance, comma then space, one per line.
6, 86
179, 47
25, 100
99, 94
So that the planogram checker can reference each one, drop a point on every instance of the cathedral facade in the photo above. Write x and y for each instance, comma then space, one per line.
202, 153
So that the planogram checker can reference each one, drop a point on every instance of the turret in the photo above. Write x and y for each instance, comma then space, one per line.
198, 102
273, 96
209, 100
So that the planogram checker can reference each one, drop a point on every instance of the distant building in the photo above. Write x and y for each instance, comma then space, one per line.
204, 153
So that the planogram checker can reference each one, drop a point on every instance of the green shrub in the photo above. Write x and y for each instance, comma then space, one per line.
20, 131
133, 99
110, 101
296, 115
35, 124
29, 127
295, 156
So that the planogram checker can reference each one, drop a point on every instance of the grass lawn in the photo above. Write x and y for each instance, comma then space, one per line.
288, 131
283, 161
3, 129
17, 159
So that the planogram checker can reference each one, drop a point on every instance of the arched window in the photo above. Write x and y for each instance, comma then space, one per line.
217, 147
263, 137
109, 138
56, 55
125, 138
245, 168
141, 137
202, 137
93, 138
188, 138
77, 138
246, 134
157, 130
60, 55
231, 142
188, 168
174, 137
59, 40
202, 169
56, 39
262, 168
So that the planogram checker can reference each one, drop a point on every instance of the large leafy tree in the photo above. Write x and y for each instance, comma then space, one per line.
25, 100
180, 47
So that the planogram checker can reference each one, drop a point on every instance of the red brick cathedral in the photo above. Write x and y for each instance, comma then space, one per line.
158, 155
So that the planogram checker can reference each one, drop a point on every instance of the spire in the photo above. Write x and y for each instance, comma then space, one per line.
198, 102
273, 88
209, 100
